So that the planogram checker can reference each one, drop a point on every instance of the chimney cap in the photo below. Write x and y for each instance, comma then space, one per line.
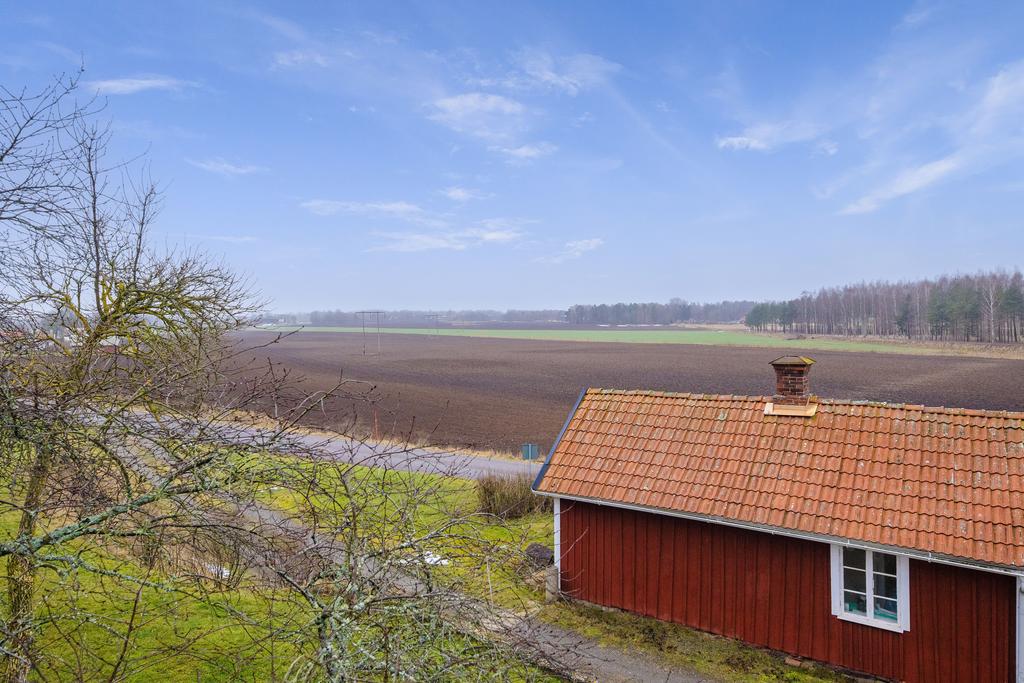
800, 361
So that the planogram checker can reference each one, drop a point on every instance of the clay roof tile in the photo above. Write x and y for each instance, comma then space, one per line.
931, 479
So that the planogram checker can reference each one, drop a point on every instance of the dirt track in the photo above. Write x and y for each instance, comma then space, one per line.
499, 393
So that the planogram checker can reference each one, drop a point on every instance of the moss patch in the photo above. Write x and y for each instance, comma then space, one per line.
721, 658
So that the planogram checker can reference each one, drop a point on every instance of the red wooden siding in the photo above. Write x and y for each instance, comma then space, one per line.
774, 591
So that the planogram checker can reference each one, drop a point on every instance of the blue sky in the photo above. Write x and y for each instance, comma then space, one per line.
513, 155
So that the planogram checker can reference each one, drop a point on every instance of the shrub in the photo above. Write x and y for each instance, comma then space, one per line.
509, 496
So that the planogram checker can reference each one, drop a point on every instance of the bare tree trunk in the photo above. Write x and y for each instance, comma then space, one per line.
21, 581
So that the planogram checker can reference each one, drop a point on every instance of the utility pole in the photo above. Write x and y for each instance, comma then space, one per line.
378, 316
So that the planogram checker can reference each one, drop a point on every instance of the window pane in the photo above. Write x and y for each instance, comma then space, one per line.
885, 563
855, 580
854, 557
885, 586
854, 603
885, 609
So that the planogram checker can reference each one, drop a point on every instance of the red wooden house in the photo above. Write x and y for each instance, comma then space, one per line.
883, 538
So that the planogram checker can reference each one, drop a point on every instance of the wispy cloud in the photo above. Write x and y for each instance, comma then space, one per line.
130, 86
572, 250
456, 241
63, 52
282, 27
988, 133
826, 147
433, 230
569, 74
908, 181
526, 153
463, 194
400, 210
764, 137
538, 69
226, 168
919, 14
301, 57
482, 115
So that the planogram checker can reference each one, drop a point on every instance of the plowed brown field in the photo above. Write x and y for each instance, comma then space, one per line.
499, 393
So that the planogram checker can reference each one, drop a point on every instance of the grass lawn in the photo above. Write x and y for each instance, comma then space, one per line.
90, 613
450, 497
720, 658
176, 638
651, 336
217, 648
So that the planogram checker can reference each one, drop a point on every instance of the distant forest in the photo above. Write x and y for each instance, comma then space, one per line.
419, 318
675, 311
987, 307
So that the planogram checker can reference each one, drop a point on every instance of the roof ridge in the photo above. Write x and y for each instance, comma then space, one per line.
918, 407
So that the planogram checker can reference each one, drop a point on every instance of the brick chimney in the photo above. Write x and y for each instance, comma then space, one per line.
792, 385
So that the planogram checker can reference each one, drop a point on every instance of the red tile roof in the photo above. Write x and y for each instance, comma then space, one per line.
936, 480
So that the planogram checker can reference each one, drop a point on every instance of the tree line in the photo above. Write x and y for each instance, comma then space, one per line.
985, 307
339, 318
675, 311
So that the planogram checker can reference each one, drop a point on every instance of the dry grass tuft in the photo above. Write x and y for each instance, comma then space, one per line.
509, 496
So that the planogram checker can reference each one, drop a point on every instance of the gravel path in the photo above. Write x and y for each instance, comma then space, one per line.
396, 456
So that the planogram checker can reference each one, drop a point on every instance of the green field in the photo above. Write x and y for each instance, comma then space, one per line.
648, 336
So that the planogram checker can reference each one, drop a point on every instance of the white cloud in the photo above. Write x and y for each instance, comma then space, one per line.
61, 51
1002, 104
826, 147
300, 57
764, 137
917, 15
418, 241
434, 230
487, 116
537, 69
463, 194
283, 27
573, 250
569, 74
400, 210
226, 168
908, 181
988, 133
741, 142
583, 119
455, 241
130, 86
526, 153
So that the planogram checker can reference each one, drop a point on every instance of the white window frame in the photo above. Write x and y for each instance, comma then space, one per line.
902, 622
